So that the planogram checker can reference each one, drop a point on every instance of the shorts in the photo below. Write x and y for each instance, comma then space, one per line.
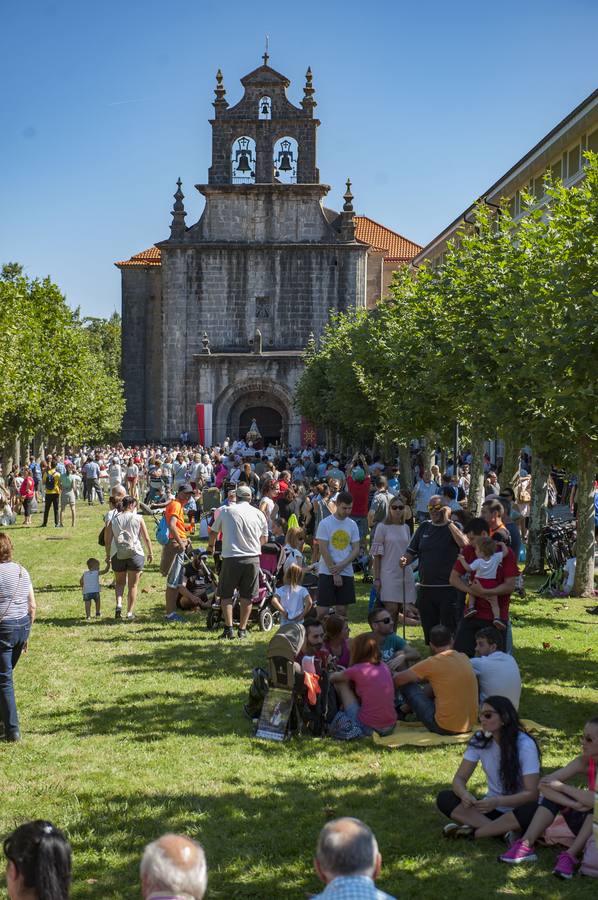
67, 498
240, 573
176, 573
447, 801
575, 818
330, 595
93, 595
27, 504
132, 564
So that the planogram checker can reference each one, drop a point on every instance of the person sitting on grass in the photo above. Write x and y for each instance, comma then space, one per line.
348, 862
292, 600
511, 762
338, 641
391, 646
370, 705
173, 868
497, 672
448, 704
38, 862
575, 804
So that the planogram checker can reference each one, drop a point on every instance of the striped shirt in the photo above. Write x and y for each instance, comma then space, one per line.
15, 585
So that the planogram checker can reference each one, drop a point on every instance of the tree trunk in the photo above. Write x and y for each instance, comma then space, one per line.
586, 549
475, 497
406, 470
511, 455
538, 515
17, 452
429, 453
443, 459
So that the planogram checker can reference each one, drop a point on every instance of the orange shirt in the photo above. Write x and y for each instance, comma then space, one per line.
455, 689
174, 508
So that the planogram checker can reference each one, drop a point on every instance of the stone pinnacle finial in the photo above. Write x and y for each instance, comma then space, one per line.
205, 343
220, 91
308, 101
177, 229
348, 198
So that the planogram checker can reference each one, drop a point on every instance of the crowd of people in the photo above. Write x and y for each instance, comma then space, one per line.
431, 564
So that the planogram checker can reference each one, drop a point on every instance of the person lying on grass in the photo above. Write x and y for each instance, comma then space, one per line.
575, 805
365, 689
511, 762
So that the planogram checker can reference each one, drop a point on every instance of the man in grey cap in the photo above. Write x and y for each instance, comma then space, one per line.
244, 530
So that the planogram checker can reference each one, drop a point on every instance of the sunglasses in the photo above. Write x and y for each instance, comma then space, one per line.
397, 507
487, 715
383, 621
434, 507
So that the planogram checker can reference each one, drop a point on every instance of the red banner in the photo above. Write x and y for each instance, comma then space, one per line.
308, 433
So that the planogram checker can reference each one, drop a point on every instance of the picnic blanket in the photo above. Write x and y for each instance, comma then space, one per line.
414, 734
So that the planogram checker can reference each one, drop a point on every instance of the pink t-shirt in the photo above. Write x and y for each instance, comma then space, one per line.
376, 692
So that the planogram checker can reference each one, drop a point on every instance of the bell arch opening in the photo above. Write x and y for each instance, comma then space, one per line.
242, 161
284, 159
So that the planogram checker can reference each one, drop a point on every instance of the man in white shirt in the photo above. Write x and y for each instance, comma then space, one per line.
244, 531
497, 672
422, 492
338, 540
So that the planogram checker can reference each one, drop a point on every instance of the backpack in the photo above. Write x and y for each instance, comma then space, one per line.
124, 540
50, 482
163, 532
381, 508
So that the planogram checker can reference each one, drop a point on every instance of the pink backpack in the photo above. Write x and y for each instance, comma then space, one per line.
589, 863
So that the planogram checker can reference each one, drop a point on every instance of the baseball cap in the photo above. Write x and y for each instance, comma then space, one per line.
186, 488
243, 492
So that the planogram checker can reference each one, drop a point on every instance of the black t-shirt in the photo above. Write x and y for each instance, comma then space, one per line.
437, 551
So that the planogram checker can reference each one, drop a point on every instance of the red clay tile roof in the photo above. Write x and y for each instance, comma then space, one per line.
150, 257
396, 247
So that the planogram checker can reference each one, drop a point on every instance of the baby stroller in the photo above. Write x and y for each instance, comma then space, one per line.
200, 581
263, 612
295, 701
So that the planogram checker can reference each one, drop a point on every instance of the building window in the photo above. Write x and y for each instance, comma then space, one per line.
264, 108
556, 170
286, 152
573, 161
243, 161
262, 309
538, 187
593, 141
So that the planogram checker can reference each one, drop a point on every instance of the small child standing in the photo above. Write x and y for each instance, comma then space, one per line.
90, 582
292, 599
484, 569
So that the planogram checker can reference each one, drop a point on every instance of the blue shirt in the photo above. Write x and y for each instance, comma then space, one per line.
352, 887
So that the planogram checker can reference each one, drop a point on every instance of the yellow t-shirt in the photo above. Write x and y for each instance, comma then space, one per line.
56, 475
455, 689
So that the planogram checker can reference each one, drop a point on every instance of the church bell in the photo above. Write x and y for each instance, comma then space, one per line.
285, 157
243, 163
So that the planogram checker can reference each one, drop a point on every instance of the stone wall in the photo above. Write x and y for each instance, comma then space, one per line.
142, 351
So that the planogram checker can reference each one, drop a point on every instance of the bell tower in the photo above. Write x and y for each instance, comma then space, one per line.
264, 139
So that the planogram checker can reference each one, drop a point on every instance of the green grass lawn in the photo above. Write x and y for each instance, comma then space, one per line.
131, 730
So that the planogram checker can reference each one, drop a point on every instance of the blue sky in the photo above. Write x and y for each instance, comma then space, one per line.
423, 104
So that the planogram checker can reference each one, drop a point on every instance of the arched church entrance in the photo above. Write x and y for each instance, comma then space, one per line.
268, 420
267, 402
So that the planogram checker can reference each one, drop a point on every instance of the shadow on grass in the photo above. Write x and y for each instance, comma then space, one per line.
259, 842
56, 588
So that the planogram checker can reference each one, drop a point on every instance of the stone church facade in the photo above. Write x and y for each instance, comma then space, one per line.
220, 313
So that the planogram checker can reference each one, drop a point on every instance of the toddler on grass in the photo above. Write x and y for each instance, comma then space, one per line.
90, 582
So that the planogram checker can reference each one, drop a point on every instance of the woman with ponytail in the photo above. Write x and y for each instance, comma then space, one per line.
39, 862
511, 762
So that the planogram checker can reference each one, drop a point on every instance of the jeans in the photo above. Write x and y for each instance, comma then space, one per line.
91, 485
51, 501
423, 706
13, 635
